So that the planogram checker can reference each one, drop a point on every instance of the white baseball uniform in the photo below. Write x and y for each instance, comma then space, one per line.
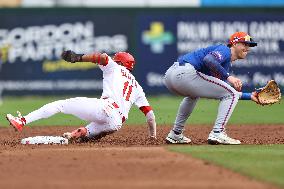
120, 91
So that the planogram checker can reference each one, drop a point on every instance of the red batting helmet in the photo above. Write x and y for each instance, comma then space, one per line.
125, 59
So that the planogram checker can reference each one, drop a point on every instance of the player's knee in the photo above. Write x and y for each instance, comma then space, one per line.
232, 95
236, 95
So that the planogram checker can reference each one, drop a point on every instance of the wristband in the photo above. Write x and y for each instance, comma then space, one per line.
246, 96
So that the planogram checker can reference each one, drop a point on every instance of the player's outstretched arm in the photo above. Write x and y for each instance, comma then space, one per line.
98, 58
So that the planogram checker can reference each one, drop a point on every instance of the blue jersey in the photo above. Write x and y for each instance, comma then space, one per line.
221, 55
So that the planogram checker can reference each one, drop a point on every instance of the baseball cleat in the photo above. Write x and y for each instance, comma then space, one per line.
221, 138
173, 138
17, 122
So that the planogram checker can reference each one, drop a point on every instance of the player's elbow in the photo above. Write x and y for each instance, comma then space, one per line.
209, 59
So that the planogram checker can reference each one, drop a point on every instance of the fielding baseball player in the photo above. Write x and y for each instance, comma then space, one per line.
106, 115
204, 73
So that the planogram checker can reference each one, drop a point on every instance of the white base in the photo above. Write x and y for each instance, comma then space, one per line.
44, 140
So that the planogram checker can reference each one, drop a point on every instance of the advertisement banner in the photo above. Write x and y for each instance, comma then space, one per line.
164, 37
31, 45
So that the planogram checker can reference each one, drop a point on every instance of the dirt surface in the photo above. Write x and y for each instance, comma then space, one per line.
126, 159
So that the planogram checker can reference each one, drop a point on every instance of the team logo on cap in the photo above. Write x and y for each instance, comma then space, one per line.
247, 38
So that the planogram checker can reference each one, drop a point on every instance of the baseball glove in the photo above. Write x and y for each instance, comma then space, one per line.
269, 94
71, 56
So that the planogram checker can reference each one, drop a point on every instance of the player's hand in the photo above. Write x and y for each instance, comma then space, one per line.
236, 82
71, 56
153, 137
254, 97
151, 140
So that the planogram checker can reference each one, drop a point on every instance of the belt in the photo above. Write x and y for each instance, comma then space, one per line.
115, 105
183, 63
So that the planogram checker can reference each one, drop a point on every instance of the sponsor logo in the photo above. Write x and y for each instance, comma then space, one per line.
45, 43
157, 37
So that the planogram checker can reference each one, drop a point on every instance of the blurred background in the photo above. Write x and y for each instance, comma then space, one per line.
34, 33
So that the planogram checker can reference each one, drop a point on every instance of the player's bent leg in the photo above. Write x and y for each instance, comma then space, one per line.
226, 108
217, 89
45, 111
186, 107
205, 86
88, 109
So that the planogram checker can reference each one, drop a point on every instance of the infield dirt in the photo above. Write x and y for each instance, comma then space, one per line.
125, 159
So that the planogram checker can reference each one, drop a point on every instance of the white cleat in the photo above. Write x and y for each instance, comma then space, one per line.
221, 138
173, 138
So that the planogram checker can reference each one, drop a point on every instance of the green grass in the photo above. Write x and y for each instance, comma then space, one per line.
165, 108
262, 162
205, 112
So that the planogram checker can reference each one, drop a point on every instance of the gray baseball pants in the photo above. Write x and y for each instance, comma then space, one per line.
184, 80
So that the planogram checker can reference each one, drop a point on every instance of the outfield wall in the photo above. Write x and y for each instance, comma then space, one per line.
31, 41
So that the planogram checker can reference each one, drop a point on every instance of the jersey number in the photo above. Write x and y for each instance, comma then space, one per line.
127, 90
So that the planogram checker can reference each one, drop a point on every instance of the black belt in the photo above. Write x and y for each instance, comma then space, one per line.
182, 63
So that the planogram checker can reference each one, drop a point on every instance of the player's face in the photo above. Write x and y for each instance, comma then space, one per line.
242, 50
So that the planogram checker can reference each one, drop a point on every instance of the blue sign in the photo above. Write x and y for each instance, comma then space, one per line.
178, 34
31, 45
